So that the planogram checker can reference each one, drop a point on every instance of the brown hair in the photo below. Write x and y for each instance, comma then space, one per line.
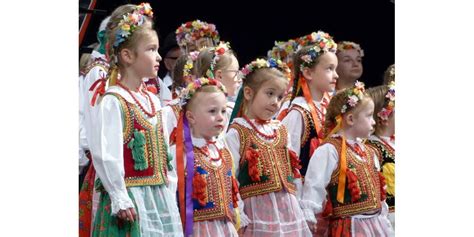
335, 107
203, 62
378, 96
389, 74
296, 70
178, 71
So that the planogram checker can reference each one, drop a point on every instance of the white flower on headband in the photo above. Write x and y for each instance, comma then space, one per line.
353, 99
306, 58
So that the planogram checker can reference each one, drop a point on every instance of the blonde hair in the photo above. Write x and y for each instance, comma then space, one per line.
335, 107
178, 71
378, 94
203, 62
205, 89
255, 80
389, 75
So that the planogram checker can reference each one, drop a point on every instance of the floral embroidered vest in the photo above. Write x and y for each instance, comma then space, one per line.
146, 158
272, 166
360, 175
386, 156
217, 190
98, 62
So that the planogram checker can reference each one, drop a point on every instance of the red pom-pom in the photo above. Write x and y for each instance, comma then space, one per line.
235, 191
295, 164
314, 143
152, 89
383, 192
199, 189
251, 155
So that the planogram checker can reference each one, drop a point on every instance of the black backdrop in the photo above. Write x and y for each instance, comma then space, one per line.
252, 26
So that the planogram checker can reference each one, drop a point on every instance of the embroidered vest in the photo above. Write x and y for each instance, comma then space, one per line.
309, 132
218, 192
386, 156
273, 163
368, 183
146, 158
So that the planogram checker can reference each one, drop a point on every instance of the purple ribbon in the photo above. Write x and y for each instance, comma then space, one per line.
189, 178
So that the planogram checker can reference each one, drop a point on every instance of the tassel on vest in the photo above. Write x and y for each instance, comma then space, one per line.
137, 145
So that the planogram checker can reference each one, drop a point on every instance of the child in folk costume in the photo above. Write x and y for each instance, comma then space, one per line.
207, 190
221, 64
131, 156
267, 170
383, 139
314, 78
350, 68
196, 35
343, 180
183, 73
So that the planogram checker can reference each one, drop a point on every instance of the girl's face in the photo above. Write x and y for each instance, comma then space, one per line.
267, 101
207, 117
147, 60
231, 77
323, 75
350, 65
364, 121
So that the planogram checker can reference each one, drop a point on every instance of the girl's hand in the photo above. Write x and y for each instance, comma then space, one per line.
127, 214
241, 231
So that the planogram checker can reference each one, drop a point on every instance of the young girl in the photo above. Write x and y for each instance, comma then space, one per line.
383, 139
343, 181
209, 183
130, 154
183, 73
267, 170
195, 35
349, 55
389, 75
315, 76
220, 63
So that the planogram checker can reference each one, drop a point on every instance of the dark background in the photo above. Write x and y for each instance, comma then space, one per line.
252, 26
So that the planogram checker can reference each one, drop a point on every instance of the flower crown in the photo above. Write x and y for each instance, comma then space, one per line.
321, 43
389, 103
346, 45
219, 50
197, 84
262, 63
192, 57
194, 30
354, 95
131, 21
283, 49
314, 38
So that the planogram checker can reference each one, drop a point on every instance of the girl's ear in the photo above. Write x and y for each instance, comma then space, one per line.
127, 56
218, 74
349, 119
190, 116
248, 93
307, 73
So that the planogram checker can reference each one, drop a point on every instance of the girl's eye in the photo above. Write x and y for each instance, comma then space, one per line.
223, 111
270, 93
280, 97
212, 111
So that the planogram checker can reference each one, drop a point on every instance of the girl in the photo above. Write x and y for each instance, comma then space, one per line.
343, 181
315, 76
383, 139
195, 35
267, 170
349, 55
183, 73
209, 183
130, 154
389, 75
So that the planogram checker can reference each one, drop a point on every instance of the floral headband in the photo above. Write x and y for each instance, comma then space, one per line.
313, 38
131, 21
321, 43
354, 95
197, 84
346, 45
262, 63
283, 49
221, 49
190, 64
194, 30
389, 103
